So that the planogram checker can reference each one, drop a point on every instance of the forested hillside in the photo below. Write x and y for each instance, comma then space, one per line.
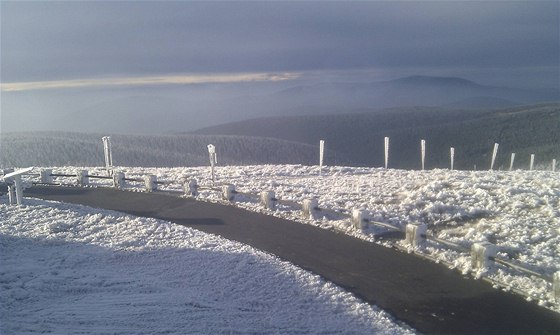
523, 130
56, 149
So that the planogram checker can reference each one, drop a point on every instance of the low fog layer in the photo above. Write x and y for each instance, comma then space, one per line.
184, 108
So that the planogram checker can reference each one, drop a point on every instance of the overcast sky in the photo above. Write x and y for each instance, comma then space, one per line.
511, 43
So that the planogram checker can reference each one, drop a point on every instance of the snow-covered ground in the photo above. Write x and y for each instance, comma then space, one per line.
69, 269
519, 211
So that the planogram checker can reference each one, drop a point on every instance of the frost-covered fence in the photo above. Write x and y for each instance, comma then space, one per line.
415, 237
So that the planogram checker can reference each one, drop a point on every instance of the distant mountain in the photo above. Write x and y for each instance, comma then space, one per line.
409, 91
524, 130
59, 149
183, 109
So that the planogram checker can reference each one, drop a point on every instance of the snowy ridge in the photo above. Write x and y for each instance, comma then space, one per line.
518, 211
74, 269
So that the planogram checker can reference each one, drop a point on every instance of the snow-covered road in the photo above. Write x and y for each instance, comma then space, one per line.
519, 211
73, 269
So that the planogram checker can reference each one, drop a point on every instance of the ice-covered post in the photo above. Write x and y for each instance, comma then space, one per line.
228, 192
108, 154
511, 161
359, 219
386, 152
416, 234
452, 156
481, 254
118, 180
310, 208
553, 165
423, 152
213, 159
46, 176
82, 178
11, 193
15, 185
190, 187
321, 155
494, 154
556, 286
150, 182
268, 200
19, 189
532, 162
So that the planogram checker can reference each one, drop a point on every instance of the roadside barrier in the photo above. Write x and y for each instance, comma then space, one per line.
483, 254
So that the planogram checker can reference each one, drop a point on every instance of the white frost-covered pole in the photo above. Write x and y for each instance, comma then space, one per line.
553, 165
532, 162
213, 159
321, 154
386, 152
494, 154
108, 153
452, 156
423, 152
511, 161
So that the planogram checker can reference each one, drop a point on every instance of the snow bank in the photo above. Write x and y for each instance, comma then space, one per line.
73, 269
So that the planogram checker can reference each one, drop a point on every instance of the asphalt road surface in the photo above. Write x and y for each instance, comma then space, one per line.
425, 295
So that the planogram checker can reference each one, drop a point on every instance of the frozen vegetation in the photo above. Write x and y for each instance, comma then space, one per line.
69, 269
518, 211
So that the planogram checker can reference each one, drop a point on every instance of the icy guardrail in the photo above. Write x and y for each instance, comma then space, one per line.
483, 254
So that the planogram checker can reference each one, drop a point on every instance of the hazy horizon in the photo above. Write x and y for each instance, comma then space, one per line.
156, 67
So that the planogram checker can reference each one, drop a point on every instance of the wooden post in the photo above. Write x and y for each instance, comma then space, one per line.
11, 193
416, 234
19, 189
118, 180
228, 192
82, 178
190, 187
481, 254
359, 219
46, 176
268, 200
150, 182
310, 208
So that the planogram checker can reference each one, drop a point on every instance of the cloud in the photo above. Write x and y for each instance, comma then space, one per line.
148, 81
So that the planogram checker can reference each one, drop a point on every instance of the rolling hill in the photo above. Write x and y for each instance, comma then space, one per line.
59, 149
524, 130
